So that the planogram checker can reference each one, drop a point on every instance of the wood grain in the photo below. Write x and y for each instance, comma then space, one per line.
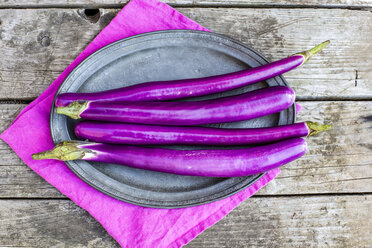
318, 221
338, 161
340, 221
8, 112
21, 182
234, 3
49, 223
37, 47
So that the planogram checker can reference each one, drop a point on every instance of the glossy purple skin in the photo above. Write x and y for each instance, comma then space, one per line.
136, 134
207, 163
177, 89
246, 106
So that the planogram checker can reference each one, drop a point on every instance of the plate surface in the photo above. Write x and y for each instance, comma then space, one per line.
162, 55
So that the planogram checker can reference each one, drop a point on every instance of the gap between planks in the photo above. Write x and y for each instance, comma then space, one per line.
362, 6
298, 98
245, 6
65, 198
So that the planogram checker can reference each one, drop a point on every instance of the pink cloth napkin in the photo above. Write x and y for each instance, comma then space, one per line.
130, 225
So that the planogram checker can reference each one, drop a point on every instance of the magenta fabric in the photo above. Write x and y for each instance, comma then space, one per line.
130, 225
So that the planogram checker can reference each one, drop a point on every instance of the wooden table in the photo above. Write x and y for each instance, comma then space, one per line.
322, 200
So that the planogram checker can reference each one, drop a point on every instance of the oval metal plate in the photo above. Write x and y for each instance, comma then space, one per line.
162, 55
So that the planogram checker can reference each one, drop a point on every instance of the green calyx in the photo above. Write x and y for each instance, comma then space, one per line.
310, 53
67, 150
73, 110
315, 127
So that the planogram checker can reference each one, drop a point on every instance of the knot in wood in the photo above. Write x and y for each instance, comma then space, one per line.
44, 39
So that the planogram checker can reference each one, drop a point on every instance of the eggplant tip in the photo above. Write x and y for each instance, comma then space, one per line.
311, 52
73, 110
315, 127
64, 151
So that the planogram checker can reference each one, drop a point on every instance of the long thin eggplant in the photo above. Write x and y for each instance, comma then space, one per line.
137, 134
177, 89
207, 163
245, 106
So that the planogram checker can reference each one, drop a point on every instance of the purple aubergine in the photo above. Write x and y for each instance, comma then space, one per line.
241, 107
177, 89
207, 163
137, 134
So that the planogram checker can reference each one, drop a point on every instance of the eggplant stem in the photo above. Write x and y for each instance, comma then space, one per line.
67, 150
73, 110
310, 53
315, 127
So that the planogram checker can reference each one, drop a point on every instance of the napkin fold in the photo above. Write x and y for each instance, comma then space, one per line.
129, 225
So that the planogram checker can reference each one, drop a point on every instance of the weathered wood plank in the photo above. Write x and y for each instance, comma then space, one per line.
8, 112
34, 47
245, 3
38, 44
323, 221
342, 221
339, 161
21, 182
52, 223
